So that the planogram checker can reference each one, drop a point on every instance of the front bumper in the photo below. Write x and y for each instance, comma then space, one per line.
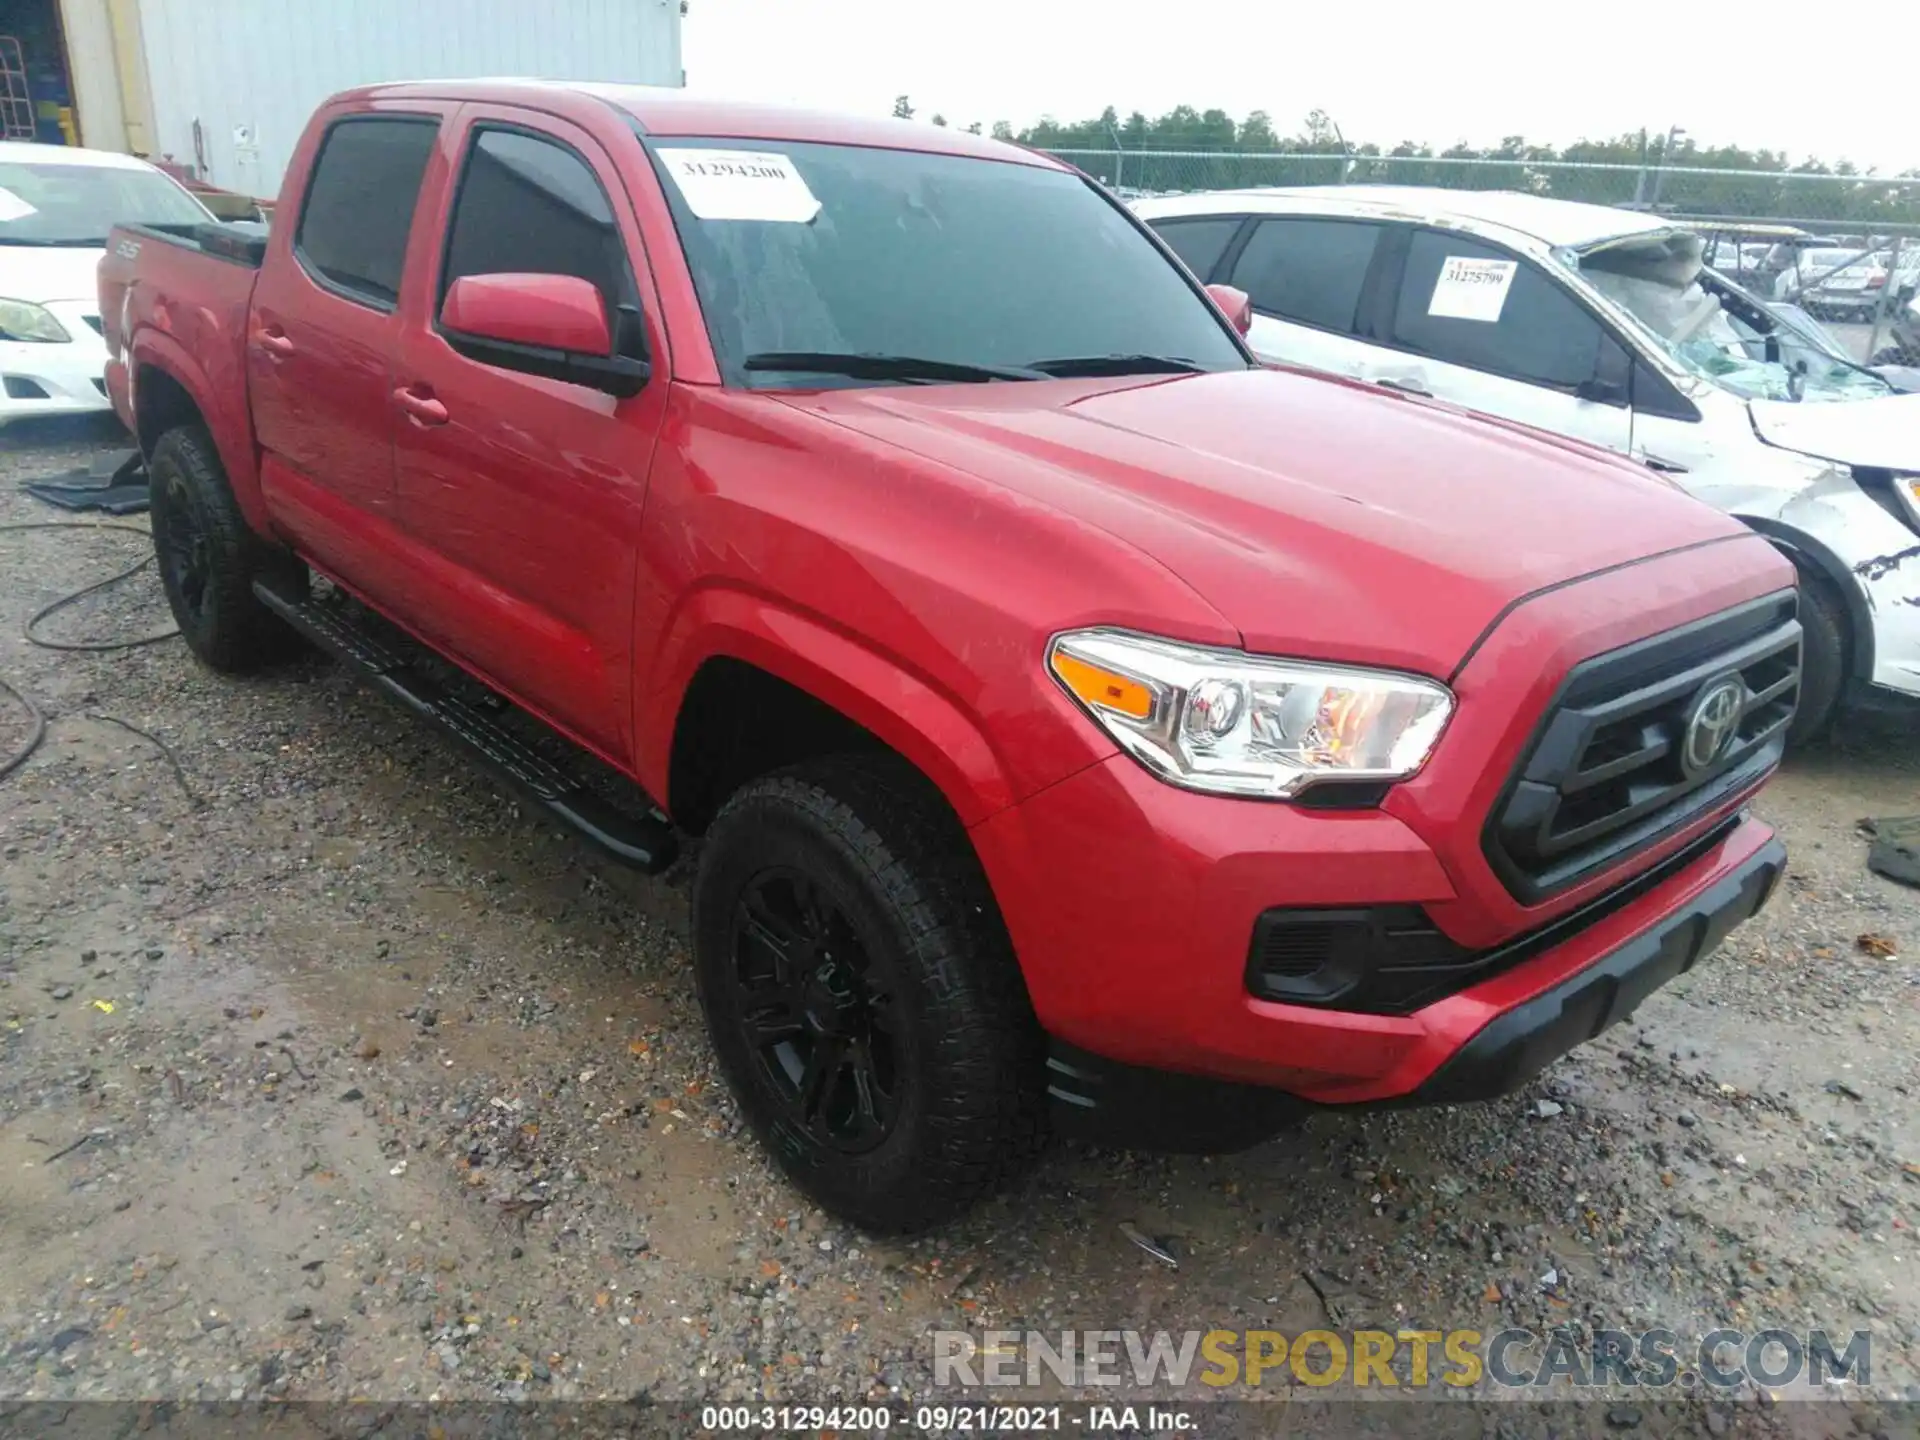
1136, 952
55, 378
1107, 1102
1512, 1048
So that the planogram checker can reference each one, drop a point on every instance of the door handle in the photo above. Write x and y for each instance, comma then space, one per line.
421, 409
274, 342
1405, 387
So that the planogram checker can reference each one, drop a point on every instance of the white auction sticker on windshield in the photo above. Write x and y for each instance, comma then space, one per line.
741, 185
12, 207
1470, 289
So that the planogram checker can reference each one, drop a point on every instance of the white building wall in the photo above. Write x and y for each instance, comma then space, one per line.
253, 71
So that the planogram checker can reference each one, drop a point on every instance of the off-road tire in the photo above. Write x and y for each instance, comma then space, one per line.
1824, 657
223, 622
876, 840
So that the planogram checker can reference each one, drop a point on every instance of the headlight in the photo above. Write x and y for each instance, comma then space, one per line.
20, 320
1231, 723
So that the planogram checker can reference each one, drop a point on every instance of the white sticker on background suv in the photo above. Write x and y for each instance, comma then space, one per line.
1470, 289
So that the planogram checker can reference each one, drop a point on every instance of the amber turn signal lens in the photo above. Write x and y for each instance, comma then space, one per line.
1107, 689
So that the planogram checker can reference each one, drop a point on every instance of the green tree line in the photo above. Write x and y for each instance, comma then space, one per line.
1236, 153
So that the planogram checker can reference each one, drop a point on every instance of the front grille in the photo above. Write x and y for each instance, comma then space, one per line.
94, 321
1623, 760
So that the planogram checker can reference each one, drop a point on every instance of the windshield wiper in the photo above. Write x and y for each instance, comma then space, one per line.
882, 367
1118, 365
76, 243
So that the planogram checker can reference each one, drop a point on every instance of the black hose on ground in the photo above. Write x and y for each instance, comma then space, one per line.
36, 717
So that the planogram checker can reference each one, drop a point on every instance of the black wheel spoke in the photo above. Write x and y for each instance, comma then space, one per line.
772, 1014
871, 1106
813, 914
774, 932
824, 1063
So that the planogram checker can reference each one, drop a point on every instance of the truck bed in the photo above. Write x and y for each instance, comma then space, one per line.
242, 241
181, 297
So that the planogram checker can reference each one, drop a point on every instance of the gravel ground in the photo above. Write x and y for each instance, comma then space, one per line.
326, 1073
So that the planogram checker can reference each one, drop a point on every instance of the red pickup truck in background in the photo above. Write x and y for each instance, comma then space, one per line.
1086, 725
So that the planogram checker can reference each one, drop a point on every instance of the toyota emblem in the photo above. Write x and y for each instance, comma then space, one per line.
1712, 723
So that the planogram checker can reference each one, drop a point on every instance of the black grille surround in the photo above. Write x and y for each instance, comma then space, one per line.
1608, 772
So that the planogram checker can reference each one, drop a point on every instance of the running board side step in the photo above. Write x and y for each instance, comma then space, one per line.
645, 842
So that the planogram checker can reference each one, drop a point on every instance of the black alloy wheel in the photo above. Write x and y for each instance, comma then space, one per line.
816, 1011
186, 549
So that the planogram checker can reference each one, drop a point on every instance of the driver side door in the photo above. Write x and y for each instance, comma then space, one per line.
521, 494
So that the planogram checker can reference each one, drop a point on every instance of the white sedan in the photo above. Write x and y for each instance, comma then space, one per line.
56, 206
1602, 325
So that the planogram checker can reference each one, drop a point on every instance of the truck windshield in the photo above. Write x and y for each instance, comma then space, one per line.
60, 203
835, 265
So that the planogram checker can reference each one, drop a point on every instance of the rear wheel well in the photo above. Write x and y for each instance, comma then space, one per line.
739, 722
161, 403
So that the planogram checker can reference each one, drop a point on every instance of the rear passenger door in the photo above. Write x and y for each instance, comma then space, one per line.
1491, 330
1307, 278
322, 331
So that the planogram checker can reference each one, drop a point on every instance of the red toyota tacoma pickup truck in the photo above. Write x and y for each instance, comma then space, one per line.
1085, 725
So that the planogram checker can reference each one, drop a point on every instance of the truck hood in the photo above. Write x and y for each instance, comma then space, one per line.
1322, 519
52, 272
1883, 433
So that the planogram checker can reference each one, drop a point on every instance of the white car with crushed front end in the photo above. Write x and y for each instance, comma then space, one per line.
1602, 325
56, 206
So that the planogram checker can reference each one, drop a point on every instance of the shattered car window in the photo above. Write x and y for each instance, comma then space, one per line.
1656, 280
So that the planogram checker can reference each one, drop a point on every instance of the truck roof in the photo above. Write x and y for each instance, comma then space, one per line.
665, 110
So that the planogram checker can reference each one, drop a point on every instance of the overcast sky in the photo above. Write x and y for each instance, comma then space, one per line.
1385, 71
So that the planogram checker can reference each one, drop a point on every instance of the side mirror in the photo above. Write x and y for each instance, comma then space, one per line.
1236, 305
549, 325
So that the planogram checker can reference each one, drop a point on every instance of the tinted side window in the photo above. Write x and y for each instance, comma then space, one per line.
532, 206
1199, 242
360, 202
1309, 271
1537, 333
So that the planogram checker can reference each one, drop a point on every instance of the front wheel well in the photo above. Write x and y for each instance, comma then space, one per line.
1820, 565
161, 403
738, 722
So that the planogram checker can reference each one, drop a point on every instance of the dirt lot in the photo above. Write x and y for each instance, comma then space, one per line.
326, 1073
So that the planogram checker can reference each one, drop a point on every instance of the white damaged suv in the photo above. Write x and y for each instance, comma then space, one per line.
56, 206
1602, 325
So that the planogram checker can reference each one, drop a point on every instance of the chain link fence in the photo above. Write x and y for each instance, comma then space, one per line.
1845, 248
